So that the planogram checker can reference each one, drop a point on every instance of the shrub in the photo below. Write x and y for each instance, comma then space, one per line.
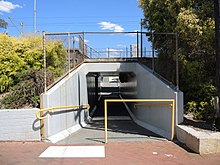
26, 93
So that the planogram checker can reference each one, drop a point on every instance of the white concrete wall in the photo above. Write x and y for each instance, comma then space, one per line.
19, 124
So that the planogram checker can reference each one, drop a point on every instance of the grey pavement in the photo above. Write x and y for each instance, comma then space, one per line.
118, 131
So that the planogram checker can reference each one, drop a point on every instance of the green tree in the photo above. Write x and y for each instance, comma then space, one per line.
193, 20
21, 63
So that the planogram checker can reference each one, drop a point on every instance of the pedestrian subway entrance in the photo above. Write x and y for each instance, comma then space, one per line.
118, 126
125, 114
112, 120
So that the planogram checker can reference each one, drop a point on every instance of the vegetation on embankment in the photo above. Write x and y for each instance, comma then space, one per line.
21, 69
195, 24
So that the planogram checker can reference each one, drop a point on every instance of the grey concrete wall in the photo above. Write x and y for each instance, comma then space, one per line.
72, 90
150, 87
19, 124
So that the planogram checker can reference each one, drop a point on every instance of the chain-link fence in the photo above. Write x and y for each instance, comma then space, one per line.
107, 45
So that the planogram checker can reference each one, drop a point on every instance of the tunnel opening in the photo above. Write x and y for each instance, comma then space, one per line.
121, 127
109, 85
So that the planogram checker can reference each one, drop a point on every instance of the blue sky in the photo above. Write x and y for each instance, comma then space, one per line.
75, 16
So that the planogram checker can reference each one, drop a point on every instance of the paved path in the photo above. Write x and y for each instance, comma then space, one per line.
118, 131
120, 153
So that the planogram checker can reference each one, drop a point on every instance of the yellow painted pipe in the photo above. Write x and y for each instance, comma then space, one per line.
153, 105
172, 126
106, 122
59, 107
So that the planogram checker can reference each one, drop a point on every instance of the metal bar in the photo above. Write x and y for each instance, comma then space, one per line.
141, 39
83, 51
59, 107
165, 33
74, 53
42, 128
45, 63
64, 33
153, 52
137, 44
153, 105
140, 100
106, 122
172, 126
69, 67
177, 64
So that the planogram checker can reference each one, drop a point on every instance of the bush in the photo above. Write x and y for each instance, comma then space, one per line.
202, 110
26, 93
203, 107
26, 53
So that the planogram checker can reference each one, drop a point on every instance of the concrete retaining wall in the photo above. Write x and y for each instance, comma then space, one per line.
201, 142
19, 124
72, 90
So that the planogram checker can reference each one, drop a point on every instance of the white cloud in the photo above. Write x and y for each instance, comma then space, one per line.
6, 6
111, 26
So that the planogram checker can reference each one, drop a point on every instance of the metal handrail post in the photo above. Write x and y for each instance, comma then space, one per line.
42, 127
106, 121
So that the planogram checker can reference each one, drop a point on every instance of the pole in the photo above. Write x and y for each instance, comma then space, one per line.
108, 53
152, 35
106, 121
74, 53
83, 46
141, 39
45, 64
42, 127
69, 53
35, 17
137, 44
177, 63
22, 28
217, 41
90, 52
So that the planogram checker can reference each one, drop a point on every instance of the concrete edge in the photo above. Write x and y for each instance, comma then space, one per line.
65, 133
198, 141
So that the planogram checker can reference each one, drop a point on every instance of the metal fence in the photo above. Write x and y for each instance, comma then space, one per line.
99, 45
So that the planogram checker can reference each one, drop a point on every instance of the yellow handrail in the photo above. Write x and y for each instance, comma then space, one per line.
60, 107
171, 101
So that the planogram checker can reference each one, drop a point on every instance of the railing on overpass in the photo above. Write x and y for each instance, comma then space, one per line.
116, 45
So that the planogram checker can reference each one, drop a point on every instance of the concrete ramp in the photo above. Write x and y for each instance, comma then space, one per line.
138, 83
